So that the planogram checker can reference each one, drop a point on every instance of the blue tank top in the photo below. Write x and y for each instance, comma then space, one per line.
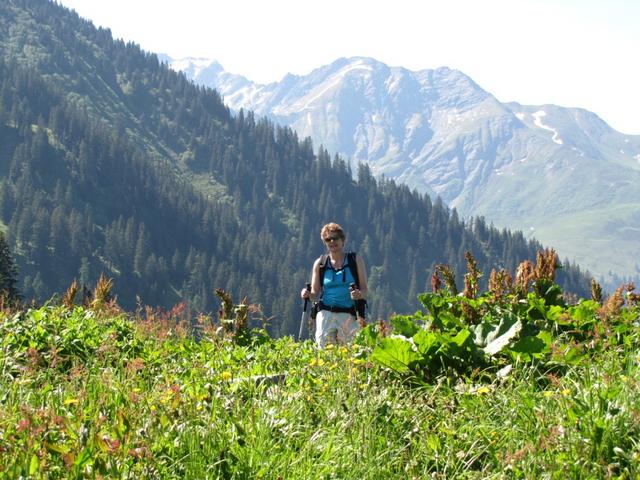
335, 286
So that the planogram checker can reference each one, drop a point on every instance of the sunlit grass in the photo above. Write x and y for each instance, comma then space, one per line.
132, 401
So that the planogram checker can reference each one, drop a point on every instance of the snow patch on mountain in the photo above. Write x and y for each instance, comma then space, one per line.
537, 120
191, 64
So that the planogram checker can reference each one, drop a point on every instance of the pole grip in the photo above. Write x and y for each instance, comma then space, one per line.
306, 300
359, 304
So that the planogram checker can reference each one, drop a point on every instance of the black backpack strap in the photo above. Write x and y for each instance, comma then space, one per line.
361, 305
323, 265
353, 266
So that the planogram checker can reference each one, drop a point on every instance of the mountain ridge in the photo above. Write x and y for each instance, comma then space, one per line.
524, 167
110, 162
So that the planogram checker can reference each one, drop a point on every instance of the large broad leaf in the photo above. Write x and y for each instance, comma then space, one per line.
558, 314
367, 336
487, 330
552, 293
460, 346
499, 336
404, 325
427, 342
537, 308
396, 353
461, 337
433, 302
568, 354
585, 311
529, 346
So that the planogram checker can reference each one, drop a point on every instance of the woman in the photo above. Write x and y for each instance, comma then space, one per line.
334, 282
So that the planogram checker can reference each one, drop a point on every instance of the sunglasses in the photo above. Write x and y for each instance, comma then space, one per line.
331, 239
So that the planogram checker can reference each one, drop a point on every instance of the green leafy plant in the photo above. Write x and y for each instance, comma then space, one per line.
526, 320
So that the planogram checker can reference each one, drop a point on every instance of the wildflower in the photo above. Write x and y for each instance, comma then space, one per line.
612, 306
566, 392
138, 452
226, 375
546, 265
436, 283
135, 365
109, 444
471, 277
482, 390
449, 278
524, 275
500, 284
23, 424
596, 291
547, 393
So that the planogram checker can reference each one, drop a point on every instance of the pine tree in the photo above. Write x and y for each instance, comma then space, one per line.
8, 272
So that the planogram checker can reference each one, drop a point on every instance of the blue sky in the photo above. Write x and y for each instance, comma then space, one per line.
567, 52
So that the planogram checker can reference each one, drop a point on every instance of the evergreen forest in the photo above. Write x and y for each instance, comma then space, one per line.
111, 163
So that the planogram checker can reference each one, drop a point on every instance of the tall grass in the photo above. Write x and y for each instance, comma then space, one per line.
91, 392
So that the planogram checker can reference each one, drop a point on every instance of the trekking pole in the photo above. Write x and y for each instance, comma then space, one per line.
305, 313
356, 305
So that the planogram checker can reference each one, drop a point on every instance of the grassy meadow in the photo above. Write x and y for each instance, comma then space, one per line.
515, 382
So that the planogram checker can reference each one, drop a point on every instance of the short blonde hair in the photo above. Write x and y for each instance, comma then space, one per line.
332, 228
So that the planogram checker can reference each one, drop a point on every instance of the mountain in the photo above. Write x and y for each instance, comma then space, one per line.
559, 174
111, 162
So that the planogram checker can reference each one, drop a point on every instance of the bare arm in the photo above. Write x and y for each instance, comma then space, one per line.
316, 286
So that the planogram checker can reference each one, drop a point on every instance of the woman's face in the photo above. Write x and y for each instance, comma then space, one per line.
333, 241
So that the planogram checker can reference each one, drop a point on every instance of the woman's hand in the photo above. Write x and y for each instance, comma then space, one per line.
356, 294
305, 294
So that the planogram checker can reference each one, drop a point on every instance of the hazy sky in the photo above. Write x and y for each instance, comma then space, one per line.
573, 53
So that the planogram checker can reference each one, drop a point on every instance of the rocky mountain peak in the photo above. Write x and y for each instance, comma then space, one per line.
545, 169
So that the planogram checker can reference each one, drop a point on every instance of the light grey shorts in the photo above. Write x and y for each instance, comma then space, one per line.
335, 327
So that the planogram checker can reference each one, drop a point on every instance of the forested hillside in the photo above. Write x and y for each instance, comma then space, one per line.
111, 162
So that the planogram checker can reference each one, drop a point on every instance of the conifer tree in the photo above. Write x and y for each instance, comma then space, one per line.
8, 272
